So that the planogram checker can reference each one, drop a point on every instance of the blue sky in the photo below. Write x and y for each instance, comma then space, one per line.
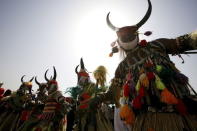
38, 34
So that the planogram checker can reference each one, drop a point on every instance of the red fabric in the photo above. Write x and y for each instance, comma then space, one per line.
1, 91
150, 76
137, 104
83, 74
84, 106
126, 90
53, 82
25, 115
85, 96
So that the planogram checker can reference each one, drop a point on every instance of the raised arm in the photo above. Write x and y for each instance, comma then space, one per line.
180, 44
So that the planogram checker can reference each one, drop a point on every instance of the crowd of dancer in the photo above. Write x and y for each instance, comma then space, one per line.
48, 109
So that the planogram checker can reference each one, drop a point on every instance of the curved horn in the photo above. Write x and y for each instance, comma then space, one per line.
38, 83
31, 79
22, 78
145, 18
110, 24
76, 71
45, 76
82, 64
55, 73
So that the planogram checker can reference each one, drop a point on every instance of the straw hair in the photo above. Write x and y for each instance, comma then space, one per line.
100, 75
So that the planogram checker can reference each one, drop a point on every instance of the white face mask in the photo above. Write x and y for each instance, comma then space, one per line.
128, 45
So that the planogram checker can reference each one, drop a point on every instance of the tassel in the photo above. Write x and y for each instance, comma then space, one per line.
167, 97
143, 43
114, 50
150, 76
127, 115
111, 54
159, 84
159, 68
142, 92
137, 87
141, 71
126, 90
137, 104
144, 80
181, 107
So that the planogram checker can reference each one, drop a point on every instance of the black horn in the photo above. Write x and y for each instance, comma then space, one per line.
110, 24
31, 79
146, 17
38, 83
45, 76
22, 78
82, 64
55, 73
76, 69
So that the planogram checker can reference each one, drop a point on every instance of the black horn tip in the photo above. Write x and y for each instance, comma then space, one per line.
82, 64
45, 75
110, 24
37, 81
147, 15
22, 78
55, 73
31, 79
76, 69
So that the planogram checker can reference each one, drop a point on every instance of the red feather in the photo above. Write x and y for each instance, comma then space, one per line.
137, 104
126, 90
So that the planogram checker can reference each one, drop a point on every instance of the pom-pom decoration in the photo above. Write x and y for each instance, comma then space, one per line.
159, 68
150, 76
127, 115
137, 87
144, 80
143, 43
114, 50
159, 84
142, 92
137, 102
126, 90
168, 98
